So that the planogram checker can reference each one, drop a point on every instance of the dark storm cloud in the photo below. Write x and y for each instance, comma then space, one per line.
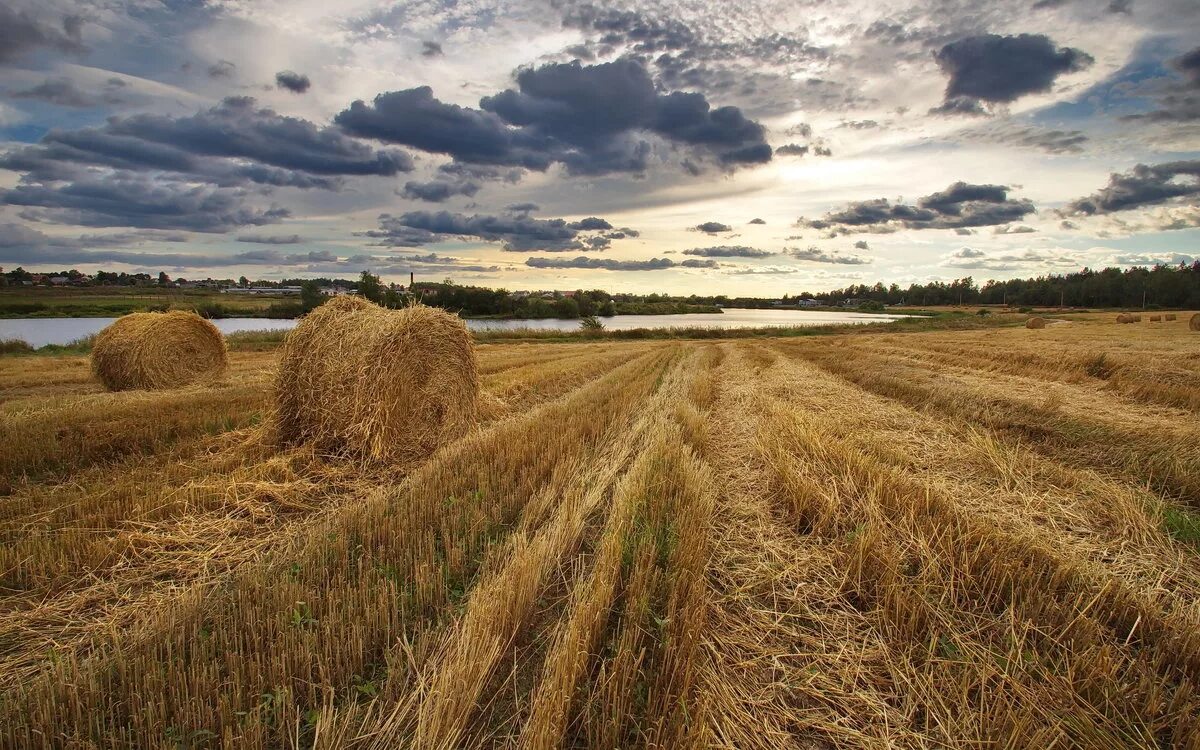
1189, 65
862, 245
522, 208
621, 233
817, 255
995, 68
292, 81
1142, 186
136, 200
64, 93
439, 191
413, 117
611, 264
517, 231
591, 119
591, 223
21, 244
1178, 100
712, 227
22, 33
958, 206
221, 69
272, 239
758, 221
791, 149
729, 251
431, 49
231, 144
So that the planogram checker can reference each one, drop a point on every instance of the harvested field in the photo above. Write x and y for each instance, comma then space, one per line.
955, 539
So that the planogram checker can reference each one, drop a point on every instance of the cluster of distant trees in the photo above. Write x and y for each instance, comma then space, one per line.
477, 301
1160, 286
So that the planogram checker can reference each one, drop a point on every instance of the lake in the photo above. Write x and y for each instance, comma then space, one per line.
41, 331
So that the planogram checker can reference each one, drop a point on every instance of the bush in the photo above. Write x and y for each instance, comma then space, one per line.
591, 324
1024, 309
15, 346
211, 310
285, 310
21, 308
984, 311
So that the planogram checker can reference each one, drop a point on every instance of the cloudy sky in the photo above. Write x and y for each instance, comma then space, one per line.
757, 147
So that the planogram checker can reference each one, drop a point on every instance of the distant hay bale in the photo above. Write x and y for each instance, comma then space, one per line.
1194, 322
364, 382
1137, 318
1170, 316
1155, 318
1035, 323
158, 350
1124, 318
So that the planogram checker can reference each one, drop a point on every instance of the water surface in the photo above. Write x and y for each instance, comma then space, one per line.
42, 331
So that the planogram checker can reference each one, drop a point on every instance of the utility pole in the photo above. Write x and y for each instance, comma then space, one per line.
1143, 299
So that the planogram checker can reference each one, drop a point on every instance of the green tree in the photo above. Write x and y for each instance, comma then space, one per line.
310, 295
370, 287
393, 299
566, 307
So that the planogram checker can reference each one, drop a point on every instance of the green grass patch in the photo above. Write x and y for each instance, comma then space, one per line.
1183, 525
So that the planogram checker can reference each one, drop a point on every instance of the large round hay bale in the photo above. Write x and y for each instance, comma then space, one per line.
1155, 318
1035, 323
1170, 317
158, 350
1194, 322
1137, 318
1124, 318
364, 382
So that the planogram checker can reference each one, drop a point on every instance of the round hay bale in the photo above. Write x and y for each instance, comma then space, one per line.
1170, 316
1155, 318
1035, 323
1194, 322
1124, 318
363, 382
158, 350
1137, 318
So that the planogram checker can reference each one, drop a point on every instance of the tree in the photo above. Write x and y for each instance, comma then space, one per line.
566, 307
310, 295
591, 325
393, 299
163, 278
243, 282
369, 287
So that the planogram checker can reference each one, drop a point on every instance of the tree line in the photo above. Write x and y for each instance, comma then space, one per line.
1160, 286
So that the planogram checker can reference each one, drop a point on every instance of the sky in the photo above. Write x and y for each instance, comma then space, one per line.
684, 146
